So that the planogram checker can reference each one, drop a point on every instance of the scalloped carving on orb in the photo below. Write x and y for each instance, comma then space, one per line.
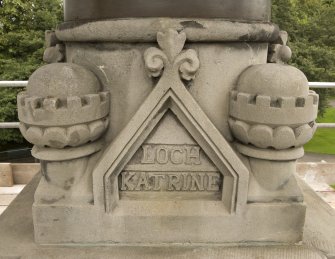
260, 135
305, 133
283, 137
78, 135
60, 137
279, 138
55, 137
240, 130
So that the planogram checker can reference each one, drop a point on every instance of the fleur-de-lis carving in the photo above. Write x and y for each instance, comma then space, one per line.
171, 57
171, 42
155, 61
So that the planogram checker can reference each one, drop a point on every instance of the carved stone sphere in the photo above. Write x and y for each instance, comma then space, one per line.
62, 80
274, 80
272, 107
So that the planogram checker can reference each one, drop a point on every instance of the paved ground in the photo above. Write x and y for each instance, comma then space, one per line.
326, 192
7, 195
317, 158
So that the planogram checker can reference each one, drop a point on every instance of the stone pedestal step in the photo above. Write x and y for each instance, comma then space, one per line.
8, 194
17, 173
16, 239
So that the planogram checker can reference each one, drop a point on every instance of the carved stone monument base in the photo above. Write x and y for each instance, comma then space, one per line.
169, 130
17, 238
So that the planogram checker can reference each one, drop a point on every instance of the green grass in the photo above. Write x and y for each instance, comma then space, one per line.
328, 117
333, 186
323, 141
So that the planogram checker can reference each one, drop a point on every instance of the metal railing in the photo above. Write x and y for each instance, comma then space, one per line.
321, 85
11, 84
14, 84
9, 125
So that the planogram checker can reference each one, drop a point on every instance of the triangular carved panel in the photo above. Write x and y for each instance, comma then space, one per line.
170, 165
170, 132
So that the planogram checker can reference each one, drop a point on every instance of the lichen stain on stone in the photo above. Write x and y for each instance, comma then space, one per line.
112, 47
52, 201
75, 137
245, 37
55, 143
192, 24
282, 186
256, 37
68, 183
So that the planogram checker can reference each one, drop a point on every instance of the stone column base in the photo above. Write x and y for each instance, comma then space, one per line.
17, 238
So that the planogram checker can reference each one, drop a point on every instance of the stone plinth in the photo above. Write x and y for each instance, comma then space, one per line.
17, 238
154, 130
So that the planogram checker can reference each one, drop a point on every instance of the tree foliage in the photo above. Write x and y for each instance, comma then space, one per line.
311, 27
22, 26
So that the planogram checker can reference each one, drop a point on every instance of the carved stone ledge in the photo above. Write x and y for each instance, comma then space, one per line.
146, 29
